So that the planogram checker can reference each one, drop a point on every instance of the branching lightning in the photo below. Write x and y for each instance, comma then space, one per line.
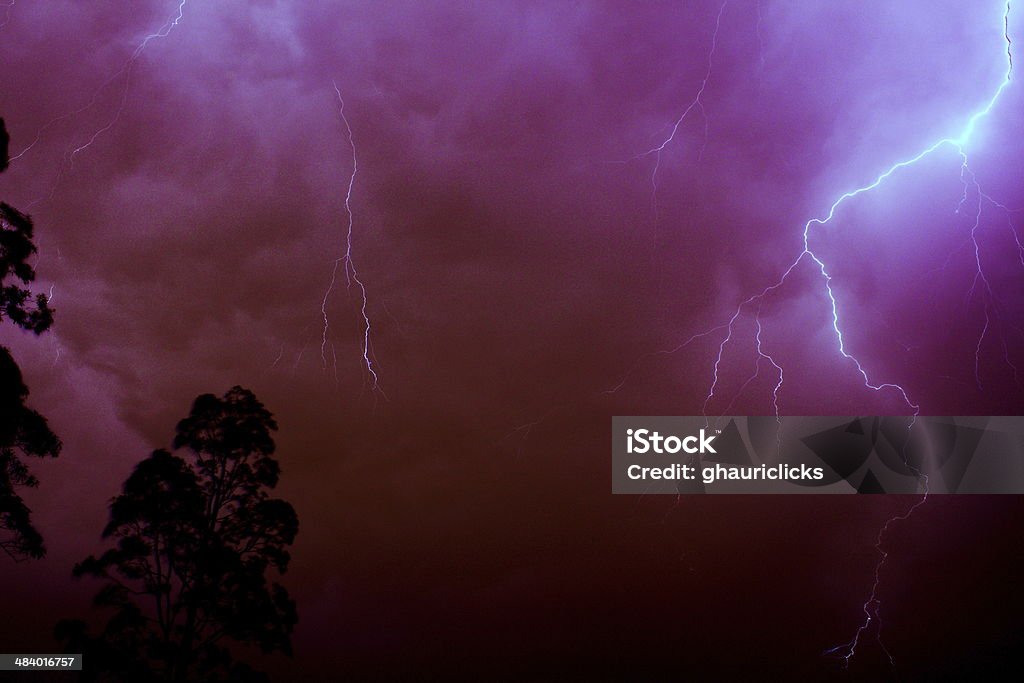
695, 103
873, 604
351, 273
124, 72
957, 143
69, 157
164, 31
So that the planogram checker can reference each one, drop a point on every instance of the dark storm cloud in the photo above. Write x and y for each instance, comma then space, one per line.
506, 236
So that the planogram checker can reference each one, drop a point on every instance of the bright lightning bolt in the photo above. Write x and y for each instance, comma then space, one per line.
351, 274
958, 143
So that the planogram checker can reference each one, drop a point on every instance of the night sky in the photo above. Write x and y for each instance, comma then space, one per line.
521, 259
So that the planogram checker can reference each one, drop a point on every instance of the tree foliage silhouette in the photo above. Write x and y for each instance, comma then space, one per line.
195, 537
23, 431
16, 247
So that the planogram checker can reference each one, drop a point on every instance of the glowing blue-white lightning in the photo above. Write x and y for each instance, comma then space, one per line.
351, 274
872, 605
958, 143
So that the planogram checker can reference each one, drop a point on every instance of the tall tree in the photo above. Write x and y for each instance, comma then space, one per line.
23, 431
195, 536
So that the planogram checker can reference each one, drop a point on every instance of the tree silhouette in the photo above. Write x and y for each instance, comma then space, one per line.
15, 249
23, 431
194, 539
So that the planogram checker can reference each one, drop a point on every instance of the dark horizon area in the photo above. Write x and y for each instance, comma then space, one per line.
530, 270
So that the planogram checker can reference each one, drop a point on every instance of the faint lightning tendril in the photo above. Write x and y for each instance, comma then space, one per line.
778, 368
989, 299
126, 72
351, 274
280, 355
7, 13
695, 103
873, 604
164, 31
